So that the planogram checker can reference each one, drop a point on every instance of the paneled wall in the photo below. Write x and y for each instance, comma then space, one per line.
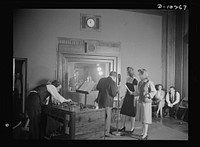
181, 73
170, 56
175, 51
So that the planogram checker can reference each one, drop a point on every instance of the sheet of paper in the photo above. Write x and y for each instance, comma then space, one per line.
127, 88
87, 86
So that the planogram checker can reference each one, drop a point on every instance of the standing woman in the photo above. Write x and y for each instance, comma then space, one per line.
128, 107
160, 96
146, 91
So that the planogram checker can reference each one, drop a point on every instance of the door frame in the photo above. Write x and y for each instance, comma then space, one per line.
24, 79
64, 58
85, 49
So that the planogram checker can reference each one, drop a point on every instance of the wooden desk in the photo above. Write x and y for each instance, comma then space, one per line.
78, 124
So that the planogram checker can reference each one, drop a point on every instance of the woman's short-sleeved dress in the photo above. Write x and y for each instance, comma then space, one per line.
128, 107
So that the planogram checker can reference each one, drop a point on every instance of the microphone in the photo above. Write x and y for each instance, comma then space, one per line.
119, 78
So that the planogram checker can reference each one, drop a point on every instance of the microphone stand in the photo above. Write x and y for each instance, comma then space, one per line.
117, 133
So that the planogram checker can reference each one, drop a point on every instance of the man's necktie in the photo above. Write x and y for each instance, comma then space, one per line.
172, 98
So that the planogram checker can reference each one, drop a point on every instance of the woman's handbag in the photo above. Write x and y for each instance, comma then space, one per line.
147, 100
147, 90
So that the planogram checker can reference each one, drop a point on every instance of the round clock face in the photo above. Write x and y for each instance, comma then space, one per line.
90, 22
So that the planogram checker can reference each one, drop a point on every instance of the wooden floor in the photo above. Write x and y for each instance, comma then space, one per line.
160, 129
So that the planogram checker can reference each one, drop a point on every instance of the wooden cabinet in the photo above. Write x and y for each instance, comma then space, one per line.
78, 124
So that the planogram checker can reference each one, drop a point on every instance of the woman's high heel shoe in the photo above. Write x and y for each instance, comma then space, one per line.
122, 129
145, 138
156, 115
132, 130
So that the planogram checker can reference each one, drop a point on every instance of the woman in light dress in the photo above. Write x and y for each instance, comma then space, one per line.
160, 97
146, 91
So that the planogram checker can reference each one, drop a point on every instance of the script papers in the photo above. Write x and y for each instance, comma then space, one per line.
86, 87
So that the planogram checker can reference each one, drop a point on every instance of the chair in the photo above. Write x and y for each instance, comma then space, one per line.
183, 105
154, 107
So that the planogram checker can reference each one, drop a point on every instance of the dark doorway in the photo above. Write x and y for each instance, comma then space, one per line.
20, 87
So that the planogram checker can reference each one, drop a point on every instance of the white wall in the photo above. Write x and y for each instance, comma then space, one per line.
35, 33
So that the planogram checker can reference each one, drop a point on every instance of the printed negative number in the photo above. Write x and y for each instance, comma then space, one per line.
184, 7
180, 7
159, 6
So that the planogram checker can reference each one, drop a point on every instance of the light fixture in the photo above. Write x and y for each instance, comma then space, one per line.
98, 68
100, 73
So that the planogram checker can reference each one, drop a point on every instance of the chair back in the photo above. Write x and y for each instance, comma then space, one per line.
184, 102
185, 98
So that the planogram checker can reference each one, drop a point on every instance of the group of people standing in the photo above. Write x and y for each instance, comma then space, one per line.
108, 89
137, 102
145, 89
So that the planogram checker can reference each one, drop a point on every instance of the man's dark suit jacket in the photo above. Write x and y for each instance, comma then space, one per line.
107, 91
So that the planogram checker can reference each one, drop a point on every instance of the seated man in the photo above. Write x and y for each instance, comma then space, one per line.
172, 99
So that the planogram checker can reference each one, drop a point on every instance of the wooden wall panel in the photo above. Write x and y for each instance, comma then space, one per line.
185, 54
181, 74
170, 56
175, 51
164, 50
179, 54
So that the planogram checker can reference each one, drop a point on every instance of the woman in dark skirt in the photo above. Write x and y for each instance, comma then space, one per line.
128, 106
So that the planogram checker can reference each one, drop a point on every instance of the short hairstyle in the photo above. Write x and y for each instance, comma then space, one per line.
113, 73
156, 86
172, 87
143, 72
129, 68
56, 83
132, 74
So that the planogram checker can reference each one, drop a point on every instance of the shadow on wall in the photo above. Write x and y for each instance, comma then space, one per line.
41, 75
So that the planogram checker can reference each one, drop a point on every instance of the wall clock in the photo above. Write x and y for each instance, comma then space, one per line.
90, 22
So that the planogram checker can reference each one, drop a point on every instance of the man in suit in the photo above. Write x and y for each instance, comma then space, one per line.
107, 91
